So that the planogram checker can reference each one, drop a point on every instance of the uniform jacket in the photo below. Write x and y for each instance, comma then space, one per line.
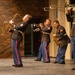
46, 37
62, 36
17, 31
71, 18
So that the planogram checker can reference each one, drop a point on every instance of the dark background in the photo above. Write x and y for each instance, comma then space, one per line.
72, 1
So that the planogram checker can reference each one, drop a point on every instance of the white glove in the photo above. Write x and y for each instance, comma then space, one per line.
11, 22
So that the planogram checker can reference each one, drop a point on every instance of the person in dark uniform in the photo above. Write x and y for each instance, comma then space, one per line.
17, 38
63, 40
70, 15
45, 40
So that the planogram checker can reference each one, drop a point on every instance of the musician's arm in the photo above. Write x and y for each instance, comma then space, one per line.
21, 26
47, 29
16, 27
69, 18
61, 32
69, 14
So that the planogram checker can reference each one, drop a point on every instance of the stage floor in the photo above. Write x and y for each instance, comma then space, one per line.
31, 67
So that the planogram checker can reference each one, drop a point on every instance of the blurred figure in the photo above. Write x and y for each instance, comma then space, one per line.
45, 40
17, 38
63, 40
70, 15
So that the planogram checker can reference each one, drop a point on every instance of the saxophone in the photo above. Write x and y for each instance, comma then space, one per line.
7, 25
56, 40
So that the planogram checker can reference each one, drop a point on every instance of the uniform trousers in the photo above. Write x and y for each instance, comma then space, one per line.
73, 47
16, 52
43, 52
60, 58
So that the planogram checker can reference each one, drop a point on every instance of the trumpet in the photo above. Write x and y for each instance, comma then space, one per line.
36, 30
39, 25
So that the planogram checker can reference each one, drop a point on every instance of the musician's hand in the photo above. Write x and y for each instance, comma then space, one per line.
41, 25
14, 26
11, 30
48, 28
34, 24
54, 35
73, 10
68, 10
11, 22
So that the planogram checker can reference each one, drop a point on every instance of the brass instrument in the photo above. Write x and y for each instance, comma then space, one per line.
59, 7
56, 40
38, 27
36, 30
7, 25
15, 16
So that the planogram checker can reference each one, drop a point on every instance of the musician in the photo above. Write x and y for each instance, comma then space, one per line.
17, 38
45, 40
63, 42
70, 14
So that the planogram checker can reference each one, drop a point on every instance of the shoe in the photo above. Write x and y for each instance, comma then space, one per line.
13, 65
55, 62
37, 60
62, 63
73, 68
21, 65
46, 61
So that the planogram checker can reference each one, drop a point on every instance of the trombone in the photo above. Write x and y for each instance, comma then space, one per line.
53, 7
59, 7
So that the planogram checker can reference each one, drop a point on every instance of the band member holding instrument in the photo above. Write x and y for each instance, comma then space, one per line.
17, 38
70, 14
63, 42
45, 40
